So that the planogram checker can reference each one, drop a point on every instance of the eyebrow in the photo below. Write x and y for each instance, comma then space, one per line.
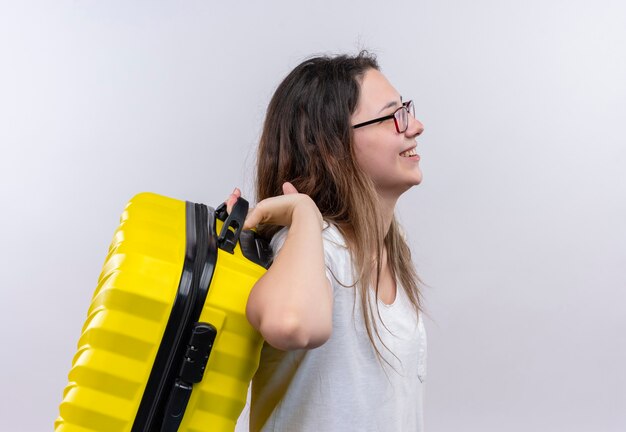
391, 104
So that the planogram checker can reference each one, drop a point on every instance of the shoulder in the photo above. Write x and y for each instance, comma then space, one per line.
337, 256
332, 237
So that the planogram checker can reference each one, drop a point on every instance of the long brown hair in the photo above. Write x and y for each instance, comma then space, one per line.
307, 140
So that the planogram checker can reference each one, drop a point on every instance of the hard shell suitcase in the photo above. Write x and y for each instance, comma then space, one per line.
166, 345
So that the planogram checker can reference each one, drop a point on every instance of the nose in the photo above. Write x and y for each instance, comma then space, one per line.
415, 127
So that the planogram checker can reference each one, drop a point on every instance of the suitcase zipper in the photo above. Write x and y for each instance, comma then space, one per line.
200, 260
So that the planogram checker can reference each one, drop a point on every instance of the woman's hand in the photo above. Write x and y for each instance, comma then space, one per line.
277, 210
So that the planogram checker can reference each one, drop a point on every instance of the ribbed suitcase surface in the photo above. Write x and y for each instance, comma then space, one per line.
128, 316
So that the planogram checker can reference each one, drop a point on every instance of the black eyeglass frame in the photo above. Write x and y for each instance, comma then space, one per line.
407, 106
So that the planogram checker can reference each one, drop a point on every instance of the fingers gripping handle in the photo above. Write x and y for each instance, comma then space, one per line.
232, 225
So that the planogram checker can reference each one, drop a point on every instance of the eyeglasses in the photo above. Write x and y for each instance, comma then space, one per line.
400, 117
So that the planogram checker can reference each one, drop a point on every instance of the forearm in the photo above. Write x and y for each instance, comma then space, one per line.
291, 305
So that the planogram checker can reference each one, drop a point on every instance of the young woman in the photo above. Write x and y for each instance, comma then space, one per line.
340, 306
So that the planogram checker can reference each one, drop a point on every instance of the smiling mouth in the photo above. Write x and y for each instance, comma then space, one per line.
409, 153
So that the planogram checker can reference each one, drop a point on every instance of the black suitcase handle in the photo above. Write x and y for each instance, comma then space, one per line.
231, 230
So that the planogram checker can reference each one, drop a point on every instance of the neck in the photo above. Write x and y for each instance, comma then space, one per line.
387, 209
387, 205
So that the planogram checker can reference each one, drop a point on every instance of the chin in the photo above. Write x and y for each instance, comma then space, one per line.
416, 180
412, 183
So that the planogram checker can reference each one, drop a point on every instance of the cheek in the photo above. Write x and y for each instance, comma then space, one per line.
365, 154
371, 159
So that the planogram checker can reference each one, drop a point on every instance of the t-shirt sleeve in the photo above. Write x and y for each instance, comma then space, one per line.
330, 242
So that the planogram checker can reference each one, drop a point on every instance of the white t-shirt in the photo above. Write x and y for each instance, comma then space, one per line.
342, 386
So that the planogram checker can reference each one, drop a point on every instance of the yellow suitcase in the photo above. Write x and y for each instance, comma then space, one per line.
166, 345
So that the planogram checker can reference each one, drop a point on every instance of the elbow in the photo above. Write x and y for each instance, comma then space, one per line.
289, 332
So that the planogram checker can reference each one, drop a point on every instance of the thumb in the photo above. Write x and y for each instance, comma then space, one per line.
288, 188
252, 219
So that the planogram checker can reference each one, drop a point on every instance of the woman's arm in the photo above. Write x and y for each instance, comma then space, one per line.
291, 304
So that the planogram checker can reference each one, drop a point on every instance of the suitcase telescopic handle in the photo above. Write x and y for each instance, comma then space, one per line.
229, 236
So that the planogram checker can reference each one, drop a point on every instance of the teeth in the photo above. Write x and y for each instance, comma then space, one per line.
409, 153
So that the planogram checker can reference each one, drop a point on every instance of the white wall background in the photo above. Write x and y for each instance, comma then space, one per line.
519, 228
